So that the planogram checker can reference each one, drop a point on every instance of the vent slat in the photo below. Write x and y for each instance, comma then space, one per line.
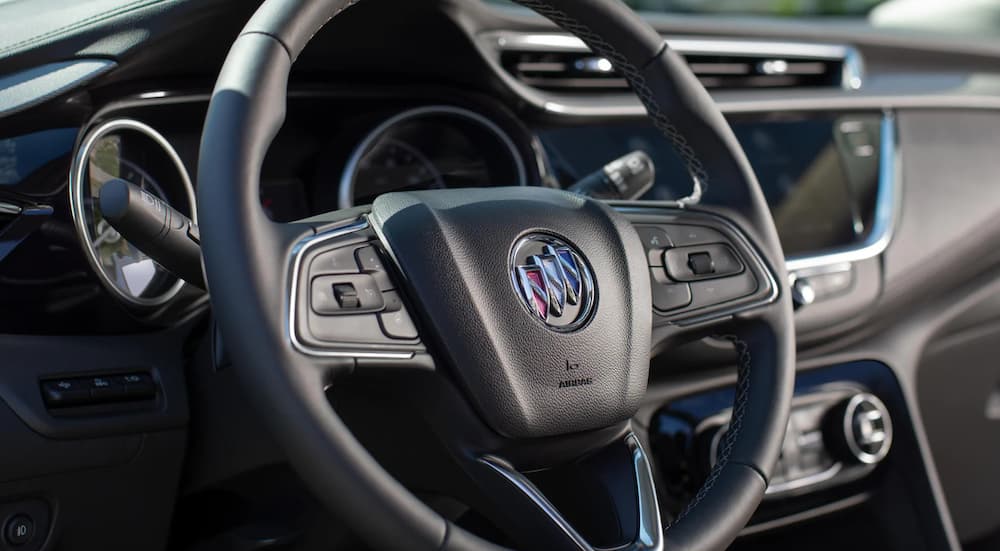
569, 70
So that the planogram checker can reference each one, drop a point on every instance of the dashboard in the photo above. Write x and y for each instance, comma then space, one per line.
874, 153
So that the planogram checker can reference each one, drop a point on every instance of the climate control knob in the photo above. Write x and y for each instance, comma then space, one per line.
859, 429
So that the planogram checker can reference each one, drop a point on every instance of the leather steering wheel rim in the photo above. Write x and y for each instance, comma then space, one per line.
246, 111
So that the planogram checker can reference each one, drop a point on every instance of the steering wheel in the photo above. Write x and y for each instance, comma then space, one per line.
518, 322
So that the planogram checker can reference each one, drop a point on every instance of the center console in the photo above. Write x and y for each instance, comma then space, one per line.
850, 463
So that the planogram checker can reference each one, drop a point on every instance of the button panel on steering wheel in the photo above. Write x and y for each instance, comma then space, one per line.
700, 267
344, 300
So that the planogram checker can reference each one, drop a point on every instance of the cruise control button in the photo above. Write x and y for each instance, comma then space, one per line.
370, 262
398, 325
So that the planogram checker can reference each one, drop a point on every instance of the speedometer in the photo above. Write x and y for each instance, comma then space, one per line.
431, 147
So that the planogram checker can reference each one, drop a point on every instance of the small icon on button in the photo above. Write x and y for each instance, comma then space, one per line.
19, 530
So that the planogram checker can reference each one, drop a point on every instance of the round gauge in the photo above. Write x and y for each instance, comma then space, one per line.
432, 147
135, 152
393, 165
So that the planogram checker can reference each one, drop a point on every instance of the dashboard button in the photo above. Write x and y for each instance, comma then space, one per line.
19, 530
105, 389
138, 386
65, 392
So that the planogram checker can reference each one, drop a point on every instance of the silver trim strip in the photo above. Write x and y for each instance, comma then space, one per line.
649, 536
77, 176
345, 194
685, 45
9, 208
887, 202
298, 251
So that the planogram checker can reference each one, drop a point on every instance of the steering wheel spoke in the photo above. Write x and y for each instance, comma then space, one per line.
345, 302
605, 500
704, 270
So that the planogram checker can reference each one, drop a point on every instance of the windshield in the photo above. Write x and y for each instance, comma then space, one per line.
949, 17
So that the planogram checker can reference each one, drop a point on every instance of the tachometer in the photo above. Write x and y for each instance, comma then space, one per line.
393, 165
431, 148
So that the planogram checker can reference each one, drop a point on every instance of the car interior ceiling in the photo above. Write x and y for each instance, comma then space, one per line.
427, 152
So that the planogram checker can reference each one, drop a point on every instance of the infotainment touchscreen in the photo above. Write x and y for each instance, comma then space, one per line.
819, 171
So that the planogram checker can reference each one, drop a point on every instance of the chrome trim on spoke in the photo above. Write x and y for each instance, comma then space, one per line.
298, 251
649, 533
345, 193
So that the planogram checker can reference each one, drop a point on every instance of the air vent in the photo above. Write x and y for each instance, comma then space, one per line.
562, 63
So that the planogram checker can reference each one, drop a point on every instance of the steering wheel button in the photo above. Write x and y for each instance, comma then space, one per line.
393, 302
370, 262
670, 296
682, 236
398, 325
699, 262
337, 261
718, 291
654, 240
346, 329
345, 294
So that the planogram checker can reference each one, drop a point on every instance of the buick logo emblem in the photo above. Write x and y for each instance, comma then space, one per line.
553, 281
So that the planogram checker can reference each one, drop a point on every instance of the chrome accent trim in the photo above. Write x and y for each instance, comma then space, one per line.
345, 193
686, 45
298, 251
9, 208
78, 174
563, 284
649, 533
887, 203
852, 405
